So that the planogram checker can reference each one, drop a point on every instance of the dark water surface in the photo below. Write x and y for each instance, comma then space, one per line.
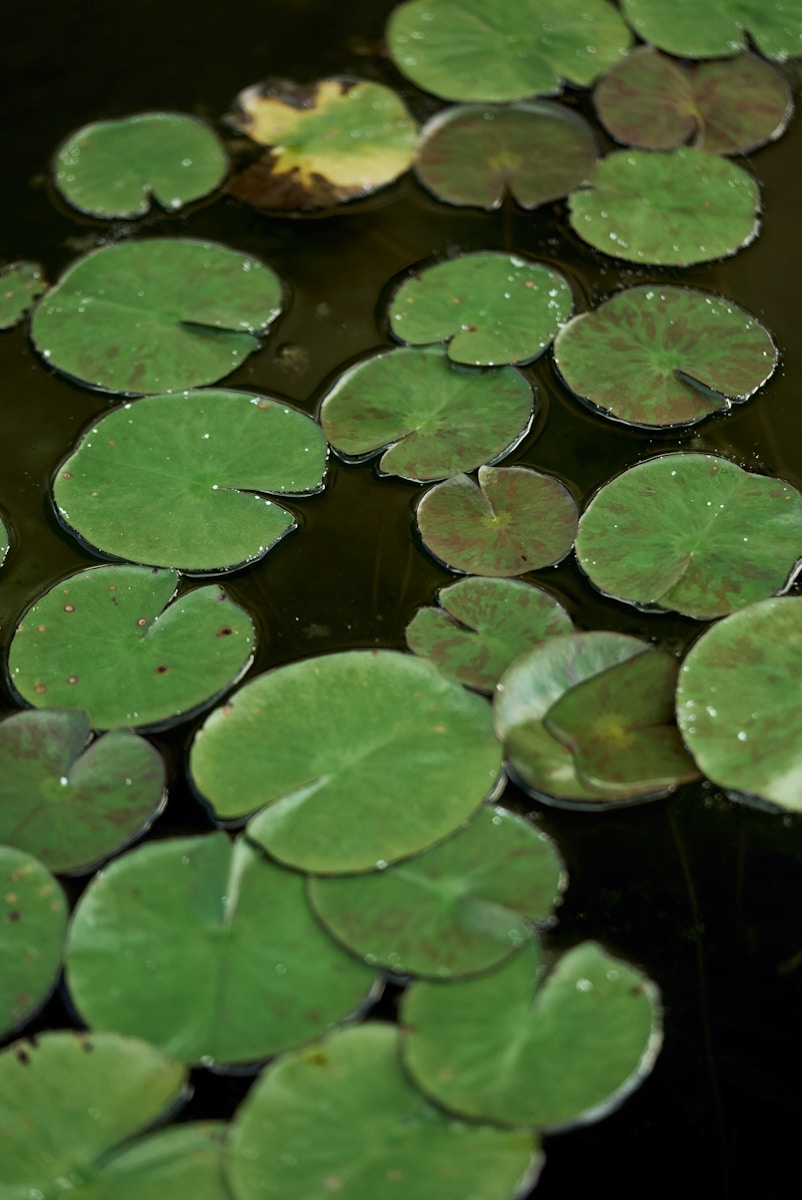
699, 891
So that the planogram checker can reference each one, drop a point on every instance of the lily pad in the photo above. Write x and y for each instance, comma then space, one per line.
515, 520
522, 1047
493, 50
373, 1133
490, 307
329, 141
458, 909
663, 356
20, 284
73, 802
348, 787
727, 107
737, 701
209, 951
118, 642
481, 625
477, 154
33, 920
114, 168
5, 541
720, 28
692, 533
156, 315
170, 480
435, 417
672, 208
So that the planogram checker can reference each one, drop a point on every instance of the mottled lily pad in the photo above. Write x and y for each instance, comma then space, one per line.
434, 417
350, 786
373, 1132
693, 533
155, 315
20, 284
481, 625
521, 1047
726, 107
329, 141
69, 801
662, 356
115, 168
209, 951
673, 208
490, 307
718, 28
491, 50
738, 701
118, 642
209, 452
475, 154
513, 521
33, 920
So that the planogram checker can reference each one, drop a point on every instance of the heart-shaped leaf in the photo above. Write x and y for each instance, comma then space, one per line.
156, 315
20, 284
210, 451
718, 28
33, 919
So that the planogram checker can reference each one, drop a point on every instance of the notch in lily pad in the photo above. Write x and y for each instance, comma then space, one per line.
115, 168
213, 452
20, 285
33, 921
719, 28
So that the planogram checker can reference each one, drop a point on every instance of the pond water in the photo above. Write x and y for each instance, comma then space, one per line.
697, 890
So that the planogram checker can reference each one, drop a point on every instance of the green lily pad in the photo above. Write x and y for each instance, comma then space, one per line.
727, 107
33, 920
458, 909
209, 951
5, 541
329, 141
719, 28
115, 168
747, 735
490, 307
435, 418
20, 284
520, 1047
348, 787
515, 520
493, 50
208, 452
482, 625
662, 356
475, 154
692, 533
373, 1133
118, 642
156, 315
70, 802
673, 208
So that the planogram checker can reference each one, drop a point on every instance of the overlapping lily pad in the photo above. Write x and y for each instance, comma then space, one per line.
433, 416
71, 802
662, 356
726, 107
719, 28
493, 50
120, 643
171, 480
20, 284
373, 1133
156, 315
693, 533
209, 951
520, 1047
481, 625
115, 168
737, 701
329, 141
348, 787
33, 919
475, 154
513, 521
490, 307
672, 208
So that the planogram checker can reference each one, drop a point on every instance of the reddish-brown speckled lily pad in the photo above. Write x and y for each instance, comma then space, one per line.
33, 920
